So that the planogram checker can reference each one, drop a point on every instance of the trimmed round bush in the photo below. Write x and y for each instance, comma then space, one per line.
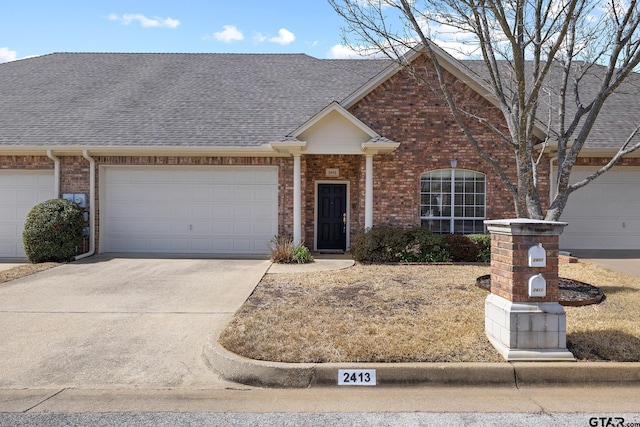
53, 231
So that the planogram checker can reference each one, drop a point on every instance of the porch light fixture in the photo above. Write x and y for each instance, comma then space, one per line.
454, 163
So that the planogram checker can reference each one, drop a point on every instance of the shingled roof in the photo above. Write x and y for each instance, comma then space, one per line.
184, 100
616, 121
206, 100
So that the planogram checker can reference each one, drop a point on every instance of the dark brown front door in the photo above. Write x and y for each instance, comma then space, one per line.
332, 216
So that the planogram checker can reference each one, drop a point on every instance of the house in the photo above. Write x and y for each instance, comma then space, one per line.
217, 153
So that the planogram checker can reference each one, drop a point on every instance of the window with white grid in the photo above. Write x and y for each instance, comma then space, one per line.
453, 201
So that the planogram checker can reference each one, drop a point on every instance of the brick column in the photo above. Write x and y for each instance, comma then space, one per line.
510, 246
520, 326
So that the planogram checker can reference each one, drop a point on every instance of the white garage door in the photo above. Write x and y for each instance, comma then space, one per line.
197, 210
606, 213
19, 192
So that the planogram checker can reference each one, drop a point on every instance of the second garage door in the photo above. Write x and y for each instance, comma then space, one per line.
19, 192
605, 214
199, 210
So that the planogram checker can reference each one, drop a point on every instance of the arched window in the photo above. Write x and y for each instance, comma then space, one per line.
453, 201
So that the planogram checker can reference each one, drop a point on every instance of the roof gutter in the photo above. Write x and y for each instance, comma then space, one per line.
263, 150
56, 173
92, 206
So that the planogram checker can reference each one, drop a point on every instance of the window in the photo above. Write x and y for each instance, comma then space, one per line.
453, 201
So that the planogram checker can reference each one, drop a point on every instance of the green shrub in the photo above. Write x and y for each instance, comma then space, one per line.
484, 246
378, 245
423, 246
53, 231
283, 251
461, 248
395, 244
301, 255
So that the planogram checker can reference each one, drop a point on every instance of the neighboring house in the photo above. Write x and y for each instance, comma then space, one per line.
217, 153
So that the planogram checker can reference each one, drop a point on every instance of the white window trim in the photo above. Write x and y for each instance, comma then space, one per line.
452, 218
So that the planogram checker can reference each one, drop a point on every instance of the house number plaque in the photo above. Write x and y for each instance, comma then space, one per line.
357, 377
332, 172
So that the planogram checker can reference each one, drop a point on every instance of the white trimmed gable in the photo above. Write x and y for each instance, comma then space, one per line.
334, 131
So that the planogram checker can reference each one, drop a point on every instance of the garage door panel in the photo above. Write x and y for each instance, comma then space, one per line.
632, 192
8, 232
211, 209
201, 211
612, 192
221, 245
242, 193
202, 227
615, 209
201, 245
20, 191
156, 192
222, 193
8, 213
243, 245
605, 214
264, 227
201, 192
222, 227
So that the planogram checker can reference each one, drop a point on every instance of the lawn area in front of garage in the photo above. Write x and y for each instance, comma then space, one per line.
414, 313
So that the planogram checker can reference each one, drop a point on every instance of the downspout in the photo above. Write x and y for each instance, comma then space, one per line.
552, 185
92, 206
56, 173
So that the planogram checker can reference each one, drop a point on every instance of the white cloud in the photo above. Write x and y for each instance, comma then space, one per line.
7, 55
284, 37
259, 37
155, 22
339, 51
228, 34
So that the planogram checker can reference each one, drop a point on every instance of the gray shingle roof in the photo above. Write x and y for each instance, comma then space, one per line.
104, 99
617, 119
202, 100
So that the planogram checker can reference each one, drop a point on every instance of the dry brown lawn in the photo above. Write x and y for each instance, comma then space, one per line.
25, 270
413, 313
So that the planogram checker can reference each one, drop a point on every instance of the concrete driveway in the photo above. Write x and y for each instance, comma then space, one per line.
119, 322
624, 261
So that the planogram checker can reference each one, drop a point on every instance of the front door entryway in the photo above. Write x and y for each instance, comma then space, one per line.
332, 216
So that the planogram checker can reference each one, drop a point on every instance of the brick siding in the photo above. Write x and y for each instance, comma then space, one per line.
400, 110
429, 138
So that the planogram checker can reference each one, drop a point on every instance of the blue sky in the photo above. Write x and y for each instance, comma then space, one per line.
37, 27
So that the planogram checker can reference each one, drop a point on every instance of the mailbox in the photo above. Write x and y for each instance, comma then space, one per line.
537, 286
537, 256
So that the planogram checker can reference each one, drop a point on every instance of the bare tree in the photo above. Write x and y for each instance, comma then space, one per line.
523, 45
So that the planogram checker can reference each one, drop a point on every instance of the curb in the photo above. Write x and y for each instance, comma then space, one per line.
233, 367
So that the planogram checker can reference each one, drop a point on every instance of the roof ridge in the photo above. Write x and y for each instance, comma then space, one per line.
178, 53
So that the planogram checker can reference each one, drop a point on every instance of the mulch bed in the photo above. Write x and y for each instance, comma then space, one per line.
571, 292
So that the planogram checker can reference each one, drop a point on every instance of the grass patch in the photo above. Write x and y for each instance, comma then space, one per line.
609, 331
25, 270
413, 313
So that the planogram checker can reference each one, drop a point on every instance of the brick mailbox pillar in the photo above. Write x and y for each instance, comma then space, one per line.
523, 318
